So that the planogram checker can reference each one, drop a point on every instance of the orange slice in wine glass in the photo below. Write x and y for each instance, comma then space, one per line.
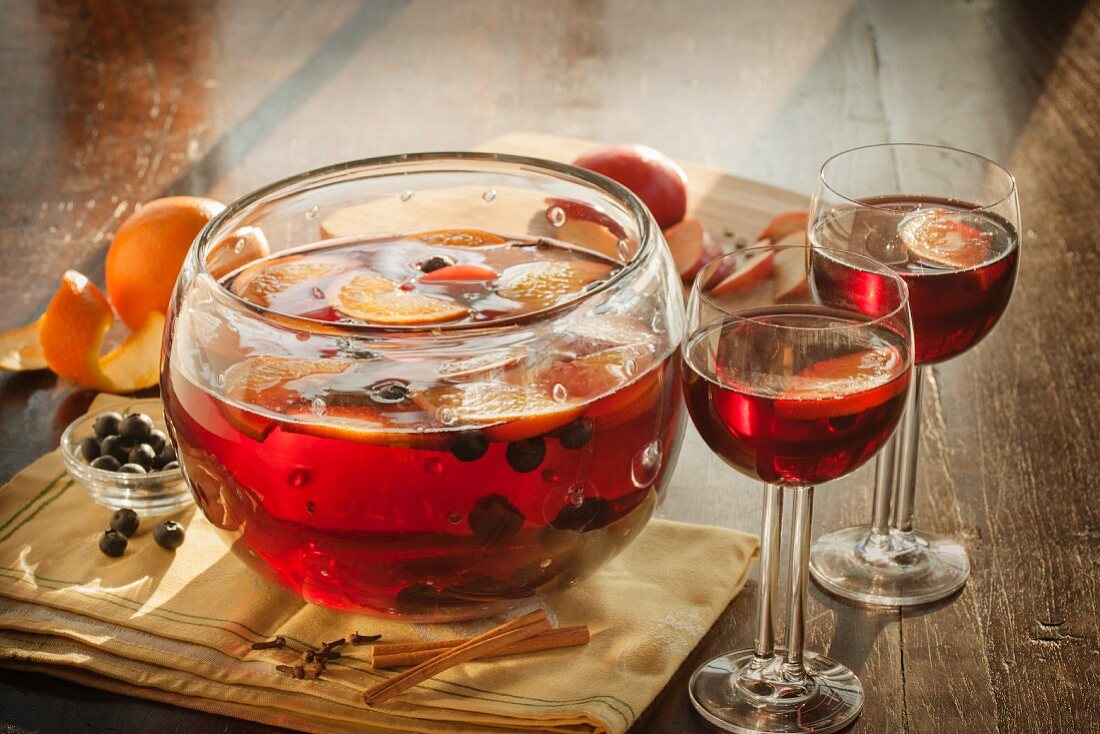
844, 385
378, 300
545, 282
258, 283
942, 237
460, 238
508, 412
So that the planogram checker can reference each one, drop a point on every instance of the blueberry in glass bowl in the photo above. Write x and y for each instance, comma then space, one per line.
122, 457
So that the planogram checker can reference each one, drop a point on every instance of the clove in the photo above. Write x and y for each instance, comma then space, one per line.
279, 641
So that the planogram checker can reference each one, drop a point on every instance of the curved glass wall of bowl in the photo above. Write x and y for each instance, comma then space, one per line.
445, 385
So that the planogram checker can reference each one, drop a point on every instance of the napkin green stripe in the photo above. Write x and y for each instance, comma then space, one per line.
31, 516
31, 501
216, 623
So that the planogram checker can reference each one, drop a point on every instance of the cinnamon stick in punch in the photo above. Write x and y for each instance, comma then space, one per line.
496, 639
404, 654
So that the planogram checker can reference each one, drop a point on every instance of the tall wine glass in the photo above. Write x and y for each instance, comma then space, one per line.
791, 382
947, 222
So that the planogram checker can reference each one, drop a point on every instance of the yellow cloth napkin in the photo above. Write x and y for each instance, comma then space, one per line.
177, 627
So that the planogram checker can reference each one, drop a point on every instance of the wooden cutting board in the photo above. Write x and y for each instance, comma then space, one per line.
732, 208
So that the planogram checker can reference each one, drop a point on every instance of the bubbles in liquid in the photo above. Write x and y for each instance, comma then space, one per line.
550, 475
405, 195
646, 464
576, 495
317, 406
657, 323
429, 581
310, 508
311, 213
560, 393
317, 293
238, 246
624, 250
447, 416
489, 196
434, 465
556, 216
545, 563
454, 517
630, 367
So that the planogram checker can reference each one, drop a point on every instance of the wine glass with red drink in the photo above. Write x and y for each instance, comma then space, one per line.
792, 382
947, 222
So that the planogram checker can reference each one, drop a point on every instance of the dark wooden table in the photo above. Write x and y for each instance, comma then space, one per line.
108, 103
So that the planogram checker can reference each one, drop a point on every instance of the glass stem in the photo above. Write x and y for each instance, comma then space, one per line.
770, 531
799, 563
908, 438
884, 489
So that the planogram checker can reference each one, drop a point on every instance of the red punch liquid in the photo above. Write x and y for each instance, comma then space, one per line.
795, 406
959, 264
416, 485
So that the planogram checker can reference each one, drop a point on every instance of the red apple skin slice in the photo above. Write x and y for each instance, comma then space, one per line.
692, 247
758, 269
785, 225
791, 281
462, 272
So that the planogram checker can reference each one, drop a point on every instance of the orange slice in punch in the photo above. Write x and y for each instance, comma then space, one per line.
843, 385
941, 237
460, 238
379, 300
362, 424
262, 382
508, 412
71, 334
258, 283
543, 283
21, 350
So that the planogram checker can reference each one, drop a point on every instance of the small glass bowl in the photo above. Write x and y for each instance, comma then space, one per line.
149, 495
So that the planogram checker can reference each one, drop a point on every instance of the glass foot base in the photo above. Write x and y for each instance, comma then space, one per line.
898, 570
735, 693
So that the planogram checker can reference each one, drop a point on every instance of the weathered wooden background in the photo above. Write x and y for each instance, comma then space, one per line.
108, 103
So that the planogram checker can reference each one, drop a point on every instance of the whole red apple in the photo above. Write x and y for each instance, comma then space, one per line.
653, 177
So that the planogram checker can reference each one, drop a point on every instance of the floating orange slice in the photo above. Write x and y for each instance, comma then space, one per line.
71, 333
379, 300
460, 238
262, 380
258, 283
509, 412
20, 349
844, 385
545, 282
940, 237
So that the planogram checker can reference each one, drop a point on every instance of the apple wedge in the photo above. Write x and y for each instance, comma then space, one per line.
753, 271
785, 225
692, 247
791, 281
